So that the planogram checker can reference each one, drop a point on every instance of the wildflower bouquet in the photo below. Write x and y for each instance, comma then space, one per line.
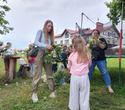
92, 44
54, 55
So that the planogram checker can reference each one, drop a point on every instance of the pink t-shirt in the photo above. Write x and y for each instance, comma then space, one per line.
75, 68
30, 60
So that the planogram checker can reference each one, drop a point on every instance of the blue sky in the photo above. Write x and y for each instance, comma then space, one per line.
28, 16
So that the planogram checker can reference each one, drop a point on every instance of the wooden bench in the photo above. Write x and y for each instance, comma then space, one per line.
24, 70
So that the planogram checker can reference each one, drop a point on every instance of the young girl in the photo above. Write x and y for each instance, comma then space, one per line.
31, 61
78, 63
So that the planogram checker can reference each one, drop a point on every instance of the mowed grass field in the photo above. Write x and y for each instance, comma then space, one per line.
17, 94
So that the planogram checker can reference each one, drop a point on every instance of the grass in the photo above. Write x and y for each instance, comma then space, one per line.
17, 94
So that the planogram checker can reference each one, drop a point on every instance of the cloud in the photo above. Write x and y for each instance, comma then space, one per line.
27, 16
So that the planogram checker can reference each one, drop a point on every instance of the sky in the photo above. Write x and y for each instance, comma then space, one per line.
28, 16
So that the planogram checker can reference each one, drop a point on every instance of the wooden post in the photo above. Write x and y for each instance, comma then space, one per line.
15, 61
11, 69
24, 71
6, 67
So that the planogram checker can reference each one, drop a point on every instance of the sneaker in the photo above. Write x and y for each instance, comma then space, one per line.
52, 95
34, 97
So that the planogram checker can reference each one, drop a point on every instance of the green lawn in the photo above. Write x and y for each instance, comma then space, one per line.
17, 94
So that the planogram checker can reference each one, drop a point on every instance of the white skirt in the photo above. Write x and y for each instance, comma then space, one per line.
79, 92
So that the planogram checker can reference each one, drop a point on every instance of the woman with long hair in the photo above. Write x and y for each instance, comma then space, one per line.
78, 63
44, 39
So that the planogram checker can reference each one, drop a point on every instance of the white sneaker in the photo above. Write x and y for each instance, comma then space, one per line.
52, 95
34, 97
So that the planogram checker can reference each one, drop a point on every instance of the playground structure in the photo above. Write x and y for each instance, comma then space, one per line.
111, 52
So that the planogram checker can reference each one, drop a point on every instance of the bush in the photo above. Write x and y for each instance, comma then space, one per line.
61, 74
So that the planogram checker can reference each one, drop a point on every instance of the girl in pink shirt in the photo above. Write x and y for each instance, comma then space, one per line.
78, 63
31, 61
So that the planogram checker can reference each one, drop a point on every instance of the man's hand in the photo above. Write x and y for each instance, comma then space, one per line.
6, 46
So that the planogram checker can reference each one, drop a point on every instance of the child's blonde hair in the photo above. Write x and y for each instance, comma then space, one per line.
79, 46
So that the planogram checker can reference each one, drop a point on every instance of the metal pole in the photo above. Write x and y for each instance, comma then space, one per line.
120, 48
81, 20
80, 30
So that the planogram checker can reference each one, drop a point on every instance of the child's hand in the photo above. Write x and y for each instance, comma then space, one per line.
68, 71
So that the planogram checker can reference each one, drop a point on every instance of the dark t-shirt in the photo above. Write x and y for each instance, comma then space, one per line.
101, 55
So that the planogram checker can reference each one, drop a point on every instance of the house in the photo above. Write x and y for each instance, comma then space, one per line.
111, 35
66, 36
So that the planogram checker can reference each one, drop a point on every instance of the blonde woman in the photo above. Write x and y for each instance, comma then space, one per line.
78, 63
45, 43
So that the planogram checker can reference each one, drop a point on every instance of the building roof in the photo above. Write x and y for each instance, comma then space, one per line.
59, 35
105, 28
70, 32
87, 31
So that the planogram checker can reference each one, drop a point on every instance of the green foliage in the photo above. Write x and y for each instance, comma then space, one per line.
54, 55
61, 74
58, 75
115, 11
17, 95
1, 43
92, 42
4, 23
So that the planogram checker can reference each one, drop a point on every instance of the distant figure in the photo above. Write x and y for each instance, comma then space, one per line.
64, 57
21, 61
2, 47
54, 67
9, 51
31, 61
68, 51
61, 66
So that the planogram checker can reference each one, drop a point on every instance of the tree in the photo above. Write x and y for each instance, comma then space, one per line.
4, 23
115, 11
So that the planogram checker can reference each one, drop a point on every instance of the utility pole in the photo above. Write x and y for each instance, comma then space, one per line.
120, 48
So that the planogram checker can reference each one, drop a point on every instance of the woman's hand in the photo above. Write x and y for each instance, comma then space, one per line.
49, 47
97, 43
102, 46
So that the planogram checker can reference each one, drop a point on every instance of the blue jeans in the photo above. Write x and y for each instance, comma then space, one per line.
31, 68
102, 66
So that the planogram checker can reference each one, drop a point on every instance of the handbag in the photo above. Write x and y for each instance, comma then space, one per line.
34, 51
